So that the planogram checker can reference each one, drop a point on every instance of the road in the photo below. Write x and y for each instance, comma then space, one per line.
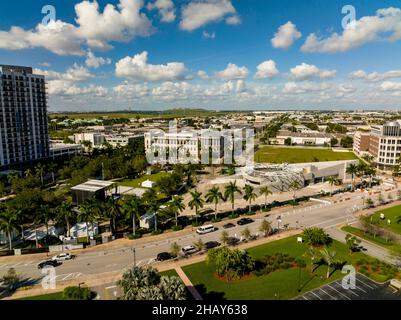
323, 215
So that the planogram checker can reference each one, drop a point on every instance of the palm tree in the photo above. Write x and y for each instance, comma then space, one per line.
133, 208
196, 202
352, 169
28, 173
249, 195
328, 257
113, 208
331, 181
313, 254
86, 215
65, 213
52, 168
229, 193
178, 206
214, 195
371, 172
294, 186
8, 223
265, 191
47, 214
40, 171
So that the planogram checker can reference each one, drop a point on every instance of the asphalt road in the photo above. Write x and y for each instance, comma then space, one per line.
323, 215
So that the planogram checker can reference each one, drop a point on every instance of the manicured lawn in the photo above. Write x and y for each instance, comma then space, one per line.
50, 296
377, 240
392, 214
169, 273
281, 284
300, 155
135, 183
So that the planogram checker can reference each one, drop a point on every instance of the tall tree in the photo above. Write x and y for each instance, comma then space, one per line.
265, 191
294, 186
178, 206
214, 195
8, 223
352, 169
331, 180
249, 195
52, 168
86, 214
230, 191
328, 256
64, 213
196, 202
40, 172
113, 208
133, 208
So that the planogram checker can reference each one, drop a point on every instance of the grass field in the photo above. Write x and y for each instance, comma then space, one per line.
281, 284
392, 214
135, 183
390, 245
299, 155
48, 297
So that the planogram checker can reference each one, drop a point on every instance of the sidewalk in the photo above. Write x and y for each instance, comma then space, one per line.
188, 284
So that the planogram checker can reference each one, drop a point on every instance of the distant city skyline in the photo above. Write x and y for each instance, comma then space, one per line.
113, 55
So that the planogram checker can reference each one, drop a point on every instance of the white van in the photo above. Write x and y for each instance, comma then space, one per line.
205, 229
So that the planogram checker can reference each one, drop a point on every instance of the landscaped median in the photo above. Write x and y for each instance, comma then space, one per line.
286, 277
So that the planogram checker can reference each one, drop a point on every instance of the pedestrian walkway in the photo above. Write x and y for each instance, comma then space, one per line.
188, 284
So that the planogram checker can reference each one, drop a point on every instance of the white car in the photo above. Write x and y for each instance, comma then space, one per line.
189, 250
62, 257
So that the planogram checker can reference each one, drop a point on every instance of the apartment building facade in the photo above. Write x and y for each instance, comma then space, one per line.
24, 133
361, 142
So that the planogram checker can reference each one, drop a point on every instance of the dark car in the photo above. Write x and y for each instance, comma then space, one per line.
244, 221
212, 244
229, 225
232, 241
49, 263
163, 256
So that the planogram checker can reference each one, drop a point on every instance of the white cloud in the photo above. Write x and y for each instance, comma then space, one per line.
94, 28
390, 86
306, 71
201, 12
233, 20
95, 62
203, 75
132, 90
137, 68
375, 76
286, 35
266, 69
385, 25
305, 87
233, 72
208, 35
166, 9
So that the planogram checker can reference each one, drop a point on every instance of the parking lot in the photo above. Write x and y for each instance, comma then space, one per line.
366, 289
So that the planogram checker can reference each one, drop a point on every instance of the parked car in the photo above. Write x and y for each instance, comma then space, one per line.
212, 244
187, 250
232, 241
163, 256
244, 221
63, 257
48, 263
205, 229
229, 225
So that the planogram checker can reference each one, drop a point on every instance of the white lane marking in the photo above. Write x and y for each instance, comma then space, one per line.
316, 295
339, 292
364, 284
348, 290
334, 298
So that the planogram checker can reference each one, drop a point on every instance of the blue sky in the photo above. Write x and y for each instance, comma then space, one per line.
147, 55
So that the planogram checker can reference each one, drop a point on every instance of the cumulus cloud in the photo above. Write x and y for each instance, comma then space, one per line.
266, 69
203, 75
390, 86
95, 62
138, 68
166, 9
132, 90
306, 71
298, 88
199, 13
375, 76
286, 35
233, 72
94, 28
384, 26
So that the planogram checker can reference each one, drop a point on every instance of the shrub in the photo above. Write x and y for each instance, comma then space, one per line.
176, 228
157, 232
216, 220
132, 236
233, 216
77, 293
316, 237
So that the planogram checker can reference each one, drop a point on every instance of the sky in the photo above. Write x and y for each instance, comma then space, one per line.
110, 55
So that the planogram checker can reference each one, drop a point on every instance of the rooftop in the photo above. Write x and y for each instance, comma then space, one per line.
94, 185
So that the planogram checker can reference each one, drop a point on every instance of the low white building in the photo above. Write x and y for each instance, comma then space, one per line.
79, 230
